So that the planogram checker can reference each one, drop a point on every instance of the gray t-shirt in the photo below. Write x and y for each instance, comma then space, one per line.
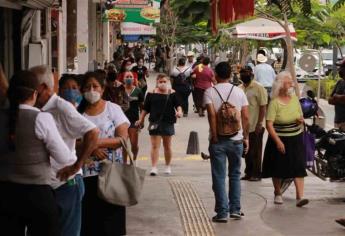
340, 108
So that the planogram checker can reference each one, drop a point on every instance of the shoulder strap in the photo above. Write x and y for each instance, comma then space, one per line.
230, 93
219, 94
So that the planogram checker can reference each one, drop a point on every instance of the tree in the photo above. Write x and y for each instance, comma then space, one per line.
338, 4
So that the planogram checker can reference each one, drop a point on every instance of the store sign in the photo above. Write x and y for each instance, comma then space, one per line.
128, 28
144, 14
130, 3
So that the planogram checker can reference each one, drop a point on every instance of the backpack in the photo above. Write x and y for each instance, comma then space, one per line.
228, 117
181, 78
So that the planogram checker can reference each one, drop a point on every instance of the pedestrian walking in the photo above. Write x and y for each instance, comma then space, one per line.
284, 151
227, 110
264, 73
257, 98
181, 83
142, 73
136, 99
27, 199
338, 99
164, 107
115, 92
203, 79
190, 59
69, 188
98, 216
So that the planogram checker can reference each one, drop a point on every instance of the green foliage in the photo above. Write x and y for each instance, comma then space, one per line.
287, 6
320, 29
339, 4
327, 86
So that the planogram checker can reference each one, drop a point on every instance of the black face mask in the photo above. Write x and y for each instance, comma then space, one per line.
246, 78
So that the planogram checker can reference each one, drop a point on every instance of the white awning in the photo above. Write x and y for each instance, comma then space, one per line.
259, 29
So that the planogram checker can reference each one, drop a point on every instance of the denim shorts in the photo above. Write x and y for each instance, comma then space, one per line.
164, 129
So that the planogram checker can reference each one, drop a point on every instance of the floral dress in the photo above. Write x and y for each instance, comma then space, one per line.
106, 122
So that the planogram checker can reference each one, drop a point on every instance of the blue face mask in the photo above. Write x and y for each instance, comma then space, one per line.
128, 81
72, 95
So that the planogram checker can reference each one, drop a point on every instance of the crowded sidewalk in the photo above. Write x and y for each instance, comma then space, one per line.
158, 211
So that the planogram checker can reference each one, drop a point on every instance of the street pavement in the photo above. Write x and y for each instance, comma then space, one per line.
159, 211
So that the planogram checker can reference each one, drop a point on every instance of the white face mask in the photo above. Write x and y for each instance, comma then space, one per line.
92, 96
291, 90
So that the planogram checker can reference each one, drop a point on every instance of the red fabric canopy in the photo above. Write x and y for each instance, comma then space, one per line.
227, 11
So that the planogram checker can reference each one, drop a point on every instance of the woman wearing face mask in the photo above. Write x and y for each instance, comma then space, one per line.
284, 152
69, 89
136, 99
142, 73
127, 65
164, 107
100, 217
27, 199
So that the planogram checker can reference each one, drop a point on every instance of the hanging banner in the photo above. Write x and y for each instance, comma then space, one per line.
129, 28
146, 14
129, 3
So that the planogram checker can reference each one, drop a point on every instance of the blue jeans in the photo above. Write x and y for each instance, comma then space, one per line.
226, 149
69, 198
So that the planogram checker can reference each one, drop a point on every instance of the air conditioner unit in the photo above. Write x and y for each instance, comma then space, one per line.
38, 54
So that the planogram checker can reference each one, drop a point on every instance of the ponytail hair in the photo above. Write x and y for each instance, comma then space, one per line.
22, 86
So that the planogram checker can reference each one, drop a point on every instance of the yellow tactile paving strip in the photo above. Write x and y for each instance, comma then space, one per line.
186, 158
194, 218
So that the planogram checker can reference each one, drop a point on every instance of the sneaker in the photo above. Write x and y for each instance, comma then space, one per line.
219, 219
154, 171
278, 199
167, 170
236, 216
302, 202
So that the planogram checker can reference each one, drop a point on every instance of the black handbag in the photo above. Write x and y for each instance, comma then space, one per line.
153, 126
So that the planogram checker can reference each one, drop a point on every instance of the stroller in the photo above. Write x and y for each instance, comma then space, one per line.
328, 162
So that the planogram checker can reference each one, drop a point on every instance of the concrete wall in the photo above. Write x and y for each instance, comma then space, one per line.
83, 35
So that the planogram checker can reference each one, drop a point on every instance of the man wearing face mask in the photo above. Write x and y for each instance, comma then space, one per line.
66, 180
257, 98
69, 89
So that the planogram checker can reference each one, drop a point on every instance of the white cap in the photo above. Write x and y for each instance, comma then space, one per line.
261, 58
190, 54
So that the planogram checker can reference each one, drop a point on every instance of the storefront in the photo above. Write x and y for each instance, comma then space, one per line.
14, 42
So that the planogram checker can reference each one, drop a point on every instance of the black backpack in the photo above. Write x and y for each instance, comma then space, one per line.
181, 78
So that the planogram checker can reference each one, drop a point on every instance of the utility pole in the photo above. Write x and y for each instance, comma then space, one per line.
71, 33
